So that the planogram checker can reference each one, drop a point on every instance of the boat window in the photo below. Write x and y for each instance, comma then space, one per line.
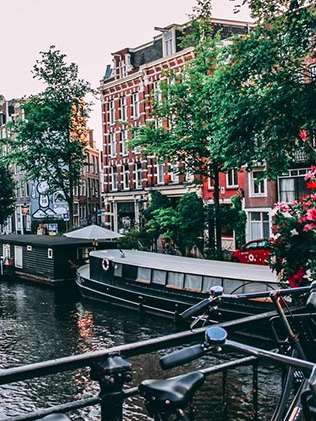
118, 270
50, 253
256, 287
231, 285
175, 279
193, 282
210, 282
159, 277
130, 272
143, 275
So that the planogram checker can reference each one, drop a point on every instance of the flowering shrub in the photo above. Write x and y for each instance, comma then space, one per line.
294, 241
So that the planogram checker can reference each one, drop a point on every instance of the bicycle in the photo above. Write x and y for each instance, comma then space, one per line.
169, 398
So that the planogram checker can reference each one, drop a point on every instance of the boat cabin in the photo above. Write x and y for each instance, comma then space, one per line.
181, 273
45, 259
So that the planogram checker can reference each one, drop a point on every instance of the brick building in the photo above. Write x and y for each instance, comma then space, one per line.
128, 90
20, 221
87, 194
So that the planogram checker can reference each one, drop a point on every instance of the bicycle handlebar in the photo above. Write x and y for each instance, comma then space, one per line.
198, 308
183, 356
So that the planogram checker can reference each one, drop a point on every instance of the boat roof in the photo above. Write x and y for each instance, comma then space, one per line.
45, 240
211, 268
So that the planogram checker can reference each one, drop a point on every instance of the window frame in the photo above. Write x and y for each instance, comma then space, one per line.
234, 172
135, 105
252, 192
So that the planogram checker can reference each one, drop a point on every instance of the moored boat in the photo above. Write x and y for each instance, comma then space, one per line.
167, 285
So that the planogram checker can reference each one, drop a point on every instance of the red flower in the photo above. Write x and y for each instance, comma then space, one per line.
297, 279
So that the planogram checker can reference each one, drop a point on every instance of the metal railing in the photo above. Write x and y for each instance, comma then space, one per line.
110, 388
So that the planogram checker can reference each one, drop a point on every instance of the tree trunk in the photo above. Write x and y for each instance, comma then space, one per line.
218, 222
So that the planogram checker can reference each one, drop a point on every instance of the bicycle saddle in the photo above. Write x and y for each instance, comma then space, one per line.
55, 417
176, 391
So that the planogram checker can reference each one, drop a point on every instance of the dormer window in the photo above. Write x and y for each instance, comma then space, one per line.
169, 44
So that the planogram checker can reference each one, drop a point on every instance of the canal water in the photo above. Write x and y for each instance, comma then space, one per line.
37, 323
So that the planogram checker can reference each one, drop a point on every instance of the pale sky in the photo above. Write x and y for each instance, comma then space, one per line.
87, 31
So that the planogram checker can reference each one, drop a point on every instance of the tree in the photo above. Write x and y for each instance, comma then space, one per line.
49, 142
263, 93
7, 196
263, 10
186, 108
191, 222
181, 227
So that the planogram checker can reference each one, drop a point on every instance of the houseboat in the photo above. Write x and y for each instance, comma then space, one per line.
50, 260
167, 285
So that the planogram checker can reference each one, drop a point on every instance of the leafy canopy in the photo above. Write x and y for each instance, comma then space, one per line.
7, 196
263, 94
49, 143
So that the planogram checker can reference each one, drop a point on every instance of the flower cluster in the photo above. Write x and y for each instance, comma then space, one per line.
294, 241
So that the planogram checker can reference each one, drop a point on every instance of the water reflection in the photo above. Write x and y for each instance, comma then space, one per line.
37, 323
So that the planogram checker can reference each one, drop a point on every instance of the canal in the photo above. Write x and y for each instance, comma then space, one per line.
37, 323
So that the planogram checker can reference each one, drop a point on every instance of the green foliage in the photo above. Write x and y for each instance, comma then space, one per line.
235, 218
260, 101
182, 227
136, 239
47, 146
7, 196
264, 10
191, 222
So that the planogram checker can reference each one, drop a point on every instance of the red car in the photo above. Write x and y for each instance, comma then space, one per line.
256, 252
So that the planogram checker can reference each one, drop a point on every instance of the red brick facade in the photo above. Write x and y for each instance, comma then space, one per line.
128, 91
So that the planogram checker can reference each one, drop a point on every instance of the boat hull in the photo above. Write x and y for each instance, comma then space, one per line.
169, 304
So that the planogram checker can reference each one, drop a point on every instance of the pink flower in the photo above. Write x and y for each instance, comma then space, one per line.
311, 214
309, 227
311, 175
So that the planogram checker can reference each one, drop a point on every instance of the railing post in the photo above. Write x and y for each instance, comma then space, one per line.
225, 403
111, 374
255, 389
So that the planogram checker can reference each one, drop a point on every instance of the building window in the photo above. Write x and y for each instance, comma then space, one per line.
258, 185
157, 95
114, 178
173, 172
168, 43
112, 144
50, 253
112, 112
138, 176
232, 178
135, 104
259, 225
293, 187
123, 108
160, 173
124, 140
126, 178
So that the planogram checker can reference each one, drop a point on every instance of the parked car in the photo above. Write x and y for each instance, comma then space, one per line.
256, 252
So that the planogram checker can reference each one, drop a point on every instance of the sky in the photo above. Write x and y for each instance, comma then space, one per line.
87, 32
